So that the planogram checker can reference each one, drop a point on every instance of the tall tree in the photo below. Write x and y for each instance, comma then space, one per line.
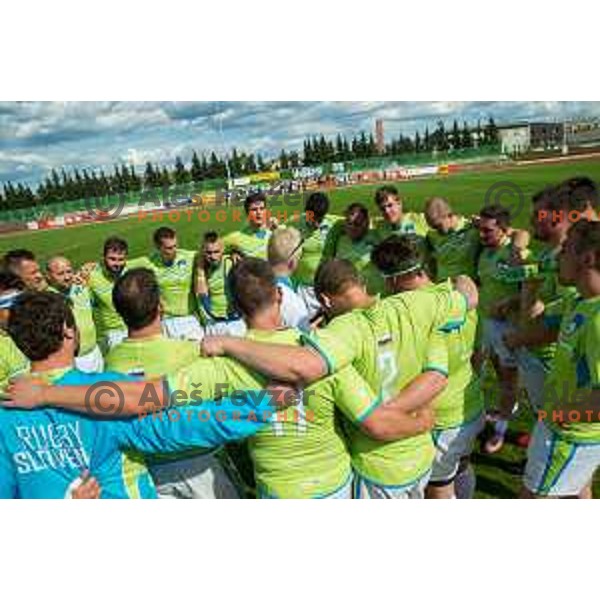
456, 137
196, 172
284, 162
467, 140
180, 176
418, 146
149, 176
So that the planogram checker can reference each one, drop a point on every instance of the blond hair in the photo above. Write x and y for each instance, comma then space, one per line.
436, 205
284, 244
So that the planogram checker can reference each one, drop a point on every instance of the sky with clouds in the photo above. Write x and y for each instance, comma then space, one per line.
37, 136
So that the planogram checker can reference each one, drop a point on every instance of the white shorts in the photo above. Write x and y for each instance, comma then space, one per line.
308, 296
492, 341
368, 490
451, 446
201, 477
235, 328
532, 375
112, 339
558, 467
183, 328
92, 362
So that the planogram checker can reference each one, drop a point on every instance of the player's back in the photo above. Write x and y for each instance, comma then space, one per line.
462, 399
44, 451
151, 357
389, 344
395, 351
302, 453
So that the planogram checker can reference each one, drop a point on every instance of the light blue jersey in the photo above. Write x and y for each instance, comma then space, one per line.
44, 451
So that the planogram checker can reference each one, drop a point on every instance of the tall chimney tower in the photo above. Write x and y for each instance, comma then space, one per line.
379, 136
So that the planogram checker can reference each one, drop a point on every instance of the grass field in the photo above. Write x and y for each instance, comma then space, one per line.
499, 476
466, 191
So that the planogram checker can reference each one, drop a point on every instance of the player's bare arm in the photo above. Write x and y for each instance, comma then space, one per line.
29, 393
293, 364
389, 422
201, 282
466, 286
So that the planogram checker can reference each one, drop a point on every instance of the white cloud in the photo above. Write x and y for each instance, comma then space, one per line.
36, 136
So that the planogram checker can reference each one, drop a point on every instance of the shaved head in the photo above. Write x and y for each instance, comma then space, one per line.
59, 273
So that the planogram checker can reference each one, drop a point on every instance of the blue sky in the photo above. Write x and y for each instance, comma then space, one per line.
36, 136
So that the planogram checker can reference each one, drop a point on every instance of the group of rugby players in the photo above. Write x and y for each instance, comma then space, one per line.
343, 356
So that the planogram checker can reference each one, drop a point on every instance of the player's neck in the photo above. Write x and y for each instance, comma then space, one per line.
281, 271
256, 227
589, 285
62, 359
359, 298
415, 283
266, 320
151, 330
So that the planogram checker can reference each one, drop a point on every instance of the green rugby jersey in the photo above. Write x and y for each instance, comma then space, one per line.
575, 367
542, 266
100, 286
411, 224
492, 267
455, 253
359, 254
462, 400
151, 357
389, 344
80, 300
303, 453
216, 305
175, 281
12, 361
248, 241
314, 237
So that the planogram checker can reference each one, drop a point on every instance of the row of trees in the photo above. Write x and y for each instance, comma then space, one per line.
65, 186
319, 150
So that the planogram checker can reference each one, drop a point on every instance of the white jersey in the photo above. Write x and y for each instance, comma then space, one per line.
294, 313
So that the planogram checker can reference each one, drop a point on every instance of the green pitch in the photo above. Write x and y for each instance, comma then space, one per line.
499, 476
466, 191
